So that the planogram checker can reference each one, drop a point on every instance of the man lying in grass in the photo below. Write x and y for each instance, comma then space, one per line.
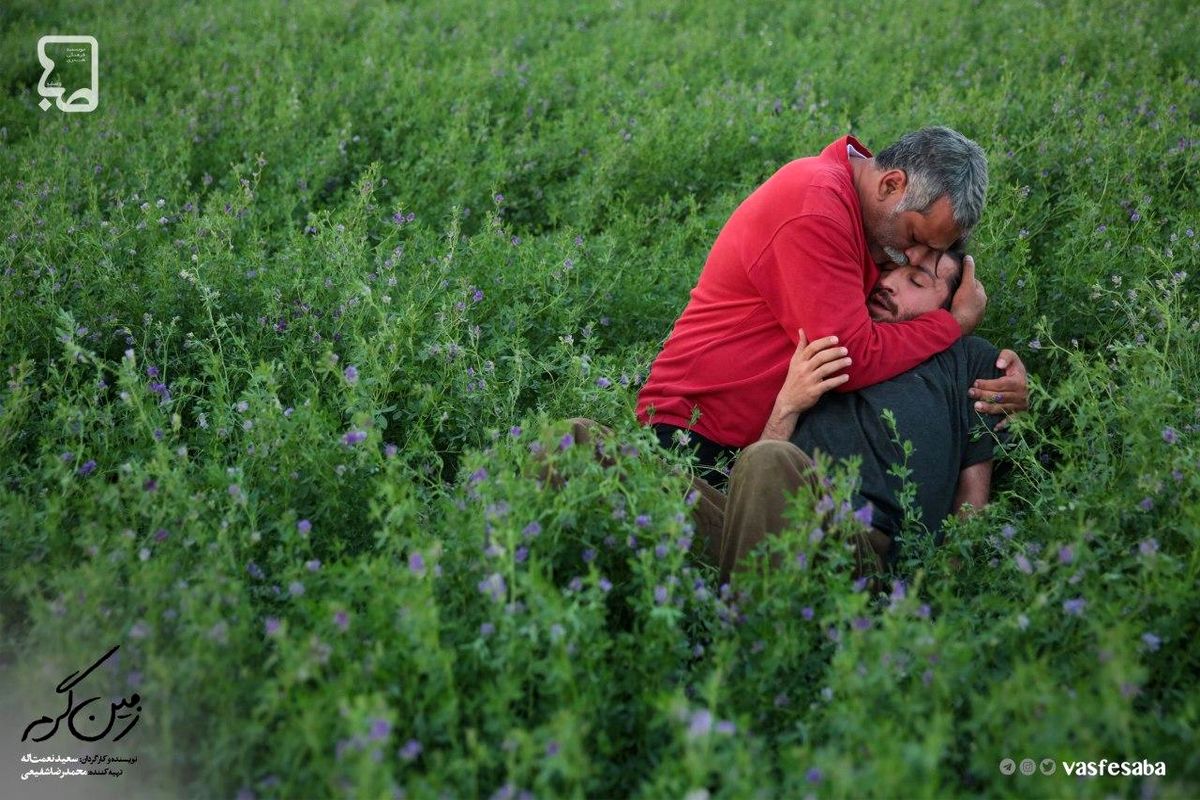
931, 408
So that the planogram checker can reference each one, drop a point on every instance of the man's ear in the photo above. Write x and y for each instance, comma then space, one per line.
892, 183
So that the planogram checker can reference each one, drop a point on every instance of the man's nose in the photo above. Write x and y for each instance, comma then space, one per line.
917, 253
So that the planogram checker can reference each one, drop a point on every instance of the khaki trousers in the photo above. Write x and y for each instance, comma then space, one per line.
765, 477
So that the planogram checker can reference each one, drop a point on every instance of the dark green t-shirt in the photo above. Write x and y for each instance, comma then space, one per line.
932, 410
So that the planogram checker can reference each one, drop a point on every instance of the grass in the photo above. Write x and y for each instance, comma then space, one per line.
350, 583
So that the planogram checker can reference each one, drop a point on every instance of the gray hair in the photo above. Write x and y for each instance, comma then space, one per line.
940, 161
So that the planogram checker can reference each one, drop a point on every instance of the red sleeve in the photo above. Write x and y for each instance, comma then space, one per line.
811, 277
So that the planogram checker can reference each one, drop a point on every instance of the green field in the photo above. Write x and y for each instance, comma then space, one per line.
336, 582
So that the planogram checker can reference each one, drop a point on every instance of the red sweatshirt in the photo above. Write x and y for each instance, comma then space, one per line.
793, 255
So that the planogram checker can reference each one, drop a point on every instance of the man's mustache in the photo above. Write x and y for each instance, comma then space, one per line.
884, 299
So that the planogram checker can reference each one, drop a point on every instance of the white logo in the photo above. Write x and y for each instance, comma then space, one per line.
85, 98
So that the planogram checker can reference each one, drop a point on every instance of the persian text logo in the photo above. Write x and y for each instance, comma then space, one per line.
60, 78
85, 730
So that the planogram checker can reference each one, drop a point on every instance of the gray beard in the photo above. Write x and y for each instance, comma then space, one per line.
896, 255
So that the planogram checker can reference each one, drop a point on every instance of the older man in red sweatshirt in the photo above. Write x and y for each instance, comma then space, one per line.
803, 252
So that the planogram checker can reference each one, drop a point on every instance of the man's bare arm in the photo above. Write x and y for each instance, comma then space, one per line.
974, 489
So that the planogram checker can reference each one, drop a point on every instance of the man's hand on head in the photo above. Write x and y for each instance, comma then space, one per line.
970, 299
1008, 394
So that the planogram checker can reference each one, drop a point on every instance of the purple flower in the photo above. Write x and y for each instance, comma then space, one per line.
389, 450
152, 371
304, 526
816, 536
1008, 531
1024, 565
575, 584
416, 564
493, 586
487, 629
814, 775
272, 625
566, 441
477, 295
642, 520
1065, 555
1152, 642
603, 383
1074, 606
726, 727
864, 515
255, 571
532, 530
68, 457
859, 584
351, 374
295, 588
161, 535
87, 467
660, 594
498, 198
478, 475
313, 564
807, 612
342, 620
412, 748
1148, 547
354, 437
1170, 435
589, 555
521, 554
861, 623
605, 584
380, 729
700, 723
